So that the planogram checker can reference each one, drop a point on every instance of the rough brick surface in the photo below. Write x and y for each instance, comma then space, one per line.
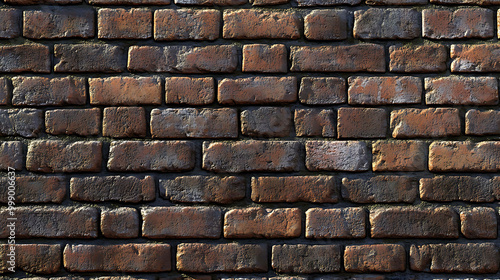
326, 25
322, 91
189, 91
384, 90
375, 258
479, 222
257, 90
124, 23
256, 24
464, 156
121, 222
11, 155
5, 92
475, 58
40, 91
266, 122
461, 188
10, 23
88, 58
122, 122
399, 156
186, 24
35, 189
337, 156
457, 24
461, 91
21, 122
203, 189
482, 122
418, 59
314, 122
380, 189
424, 123
32, 258
264, 58
73, 121
335, 223
124, 91
306, 259
361, 123
58, 23
378, 23
25, 58
112, 188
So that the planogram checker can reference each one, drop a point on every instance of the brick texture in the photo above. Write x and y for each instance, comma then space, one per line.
335, 223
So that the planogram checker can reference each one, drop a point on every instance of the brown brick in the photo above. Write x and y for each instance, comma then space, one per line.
482, 122
10, 23
125, 91
326, 25
39, 2
82, 122
186, 24
5, 89
78, 58
35, 189
117, 258
211, 2
448, 156
455, 258
260, 24
25, 58
380, 189
316, 189
262, 223
265, 58
207, 189
418, 59
399, 156
384, 90
32, 258
118, 23
230, 257
306, 258
257, 90
40, 91
337, 156
113, 188
387, 23
322, 91
251, 155
268, 2
57, 22
21, 122
475, 58
466, 2
431, 122
362, 123
58, 156
375, 258
452, 188
129, 2
396, 2
354, 58
124, 122
11, 155
189, 91
266, 122
181, 222
457, 24
335, 223
309, 3
461, 91
121, 222
479, 222
413, 222
314, 122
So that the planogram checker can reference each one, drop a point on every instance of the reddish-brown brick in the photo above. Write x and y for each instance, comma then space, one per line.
25, 58
128, 2
431, 122
306, 258
40, 91
124, 122
384, 90
375, 258
326, 25
452, 188
387, 23
475, 58
186, 24
260, 24
21, 122
335, 223
11, 155
10, 23
482, 122
457, 24
121, 23
112, 188
257, 90
121, 222
399, 156
266, 122
379, 189
5, 90
479, 222
337, 156
316, 189
265, 58
314, 122
189, 91
211, 2
396, 2
418, 59
361, 123
125, 91
448, 156
322, 91
31, 258
79, 58
56, 22
82, 122
308, 3
35, 189
456, 90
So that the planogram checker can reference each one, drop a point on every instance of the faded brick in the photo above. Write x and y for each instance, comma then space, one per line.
125, 91
322, 91
306, 258
73, 121
78, 58
310, 3
475, 58
189, 91
384, 90
448, 156
5, 91
39, 2
418, 59
260, 24
121, 222
399, 156
466, 2
266, 122
21, 122
453, 188
32, 258
361, 123
387, 23
124, 122
112, 188
268, 2
128, 2
479, 222
380, 189
375, 258
265, 58
461, 91
257, 90
457, 24
211, 2
326, 25
431, 122
40, 91
186, 24
56, 22
124, 23
11, 155
35, 189
314, 122
482, 122
25, 58
396, 2
335, 223
337, 156
10, 23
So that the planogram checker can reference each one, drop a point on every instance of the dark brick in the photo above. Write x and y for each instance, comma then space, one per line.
25, 58
418, 59
56, 22
124, 122
129, 2
125, 91
186, 24
387, 23
21, 122
39, 2
399, 156
309, 3
189, 91
121, 222
10, 23
482, 122
35, 189
326, 25
335, 223
461, 91
322, 91
121, 23
384, 90
11, 155
113, 188
479, 222
257, 90
375, 258
266, 122
306, 258
337, 156
457, 24
265, 58
362, 123
448, 156
452, 188
80, 58
314, 122
380, 189
260, 24
475, 58
426, 123
32, 258
5, 91
40, 91
82, 122
211, 2
396, 2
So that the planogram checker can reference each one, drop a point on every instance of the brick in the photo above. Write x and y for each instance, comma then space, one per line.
314, 122
479, 222
384, 90
475, 58
203, 189
82, 122
128, 2
418, 59
128, 189
124, 122
257, 90
455, 258
380, 189
38, 2
256, 222
431, 122
337, 156
268, 2
315, 189
35, 189
452, 188
121, 222
266, 122
11, 155
335, 223
181, 222
387, 23
482, 122
183, 59
326, 25
466, 2
80, 58
21, 122
456, 90
399, 156
189, 91
448, 156
125, 91
229, 257
5, 90
186, 24
396, 2
263, 58
260, 24
251, 155
413, 222
10, 23
138, 156
211, 2
32, 258
57, 22
118, 23
457, 24
40, 91
194, 123
306, 258
375, 258
58, 222
117, 258
25, 58
322, 91
310, 3
52, 156
361, 123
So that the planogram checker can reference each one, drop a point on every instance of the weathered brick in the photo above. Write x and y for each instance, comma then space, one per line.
265, 58
448, 156
456, 90
128, 2
57, 22
399, 156
326, 25
457, 24
306, 258
384, 90
161, 156
452, 188
121, 222
39, 2
322, 91
181, 222
117, 258
21, 122
35, 189
136, 23
380, 189
32, 258
309, 3
260, 24
186, 24
257, 90
124, 122
58, 156
361, 123
268, 2
251, 155
375, 258
475, 58
211, 2
189, 91
396, 2
82, 122
11, 155
40, 91
337, 156
354, 58
25, 58
230, 257
482, 122
125, 91
5, 90
479, 222
431, 122
266, 122
418, 59
256, 222
413, 222
77, 58
10, 23
316, 189
466, 2
335, 223
112, 188
387, 23
314, 122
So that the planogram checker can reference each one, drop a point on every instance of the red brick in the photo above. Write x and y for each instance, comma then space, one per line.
181, 222
189, 91
117, 258
482, 122
309, 3
455, 258
78, 58
35, 189
194, 123
260, 24
10, 23
479, 222
251, 155
399, 156
257, 90
354, 58
256, 222
380, 189
40, 91
461, 91
113, 188
265, 58
125, 91
11, 155
337, 156
322, 91
266, 122
387, 23
448, 156
326, 25
314, 122
56, 22
121, 222
32, 258
375, 258
207, 189
362, 123
230, 257
418, 59
384, 90
306, 258
475, 58
457, 24
335, 223
186, 24
58, 156
5, 90
431, 122
124, 122
128, 2
82, 122
136, 23
25, 58
413, 222
21, 122
453, 188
